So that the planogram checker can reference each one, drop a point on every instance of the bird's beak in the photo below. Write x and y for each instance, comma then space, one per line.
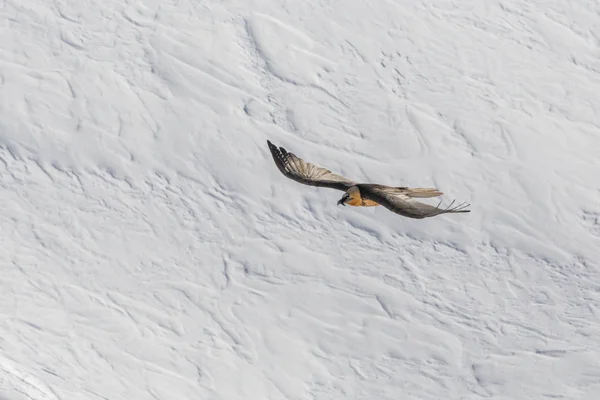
340, 201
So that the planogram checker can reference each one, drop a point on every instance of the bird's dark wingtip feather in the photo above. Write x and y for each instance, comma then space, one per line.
279, 151
274, 150
278, 156
460, 208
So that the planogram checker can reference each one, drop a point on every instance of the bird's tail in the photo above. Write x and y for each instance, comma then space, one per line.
423, 192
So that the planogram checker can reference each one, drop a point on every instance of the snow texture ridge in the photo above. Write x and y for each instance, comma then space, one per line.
152, 250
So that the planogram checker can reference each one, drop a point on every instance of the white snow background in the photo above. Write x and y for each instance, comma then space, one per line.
150, 249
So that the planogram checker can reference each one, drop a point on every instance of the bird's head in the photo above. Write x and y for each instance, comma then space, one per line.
344, 199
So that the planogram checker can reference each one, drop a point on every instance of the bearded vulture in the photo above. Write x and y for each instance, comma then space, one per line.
400, 200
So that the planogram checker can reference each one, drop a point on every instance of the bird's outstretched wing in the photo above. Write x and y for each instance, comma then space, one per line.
401, 201
309, 174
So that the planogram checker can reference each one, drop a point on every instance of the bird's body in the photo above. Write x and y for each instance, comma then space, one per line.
397, 199
355, 198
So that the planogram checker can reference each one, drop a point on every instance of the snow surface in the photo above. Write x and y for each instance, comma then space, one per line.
152, 250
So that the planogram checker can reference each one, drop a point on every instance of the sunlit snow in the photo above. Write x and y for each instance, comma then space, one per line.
150, 249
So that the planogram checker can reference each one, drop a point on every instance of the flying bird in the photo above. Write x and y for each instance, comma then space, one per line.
400, 200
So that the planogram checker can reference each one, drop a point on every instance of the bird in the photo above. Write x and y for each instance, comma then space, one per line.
400, 200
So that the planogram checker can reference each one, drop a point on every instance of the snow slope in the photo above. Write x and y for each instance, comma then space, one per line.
151, 249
